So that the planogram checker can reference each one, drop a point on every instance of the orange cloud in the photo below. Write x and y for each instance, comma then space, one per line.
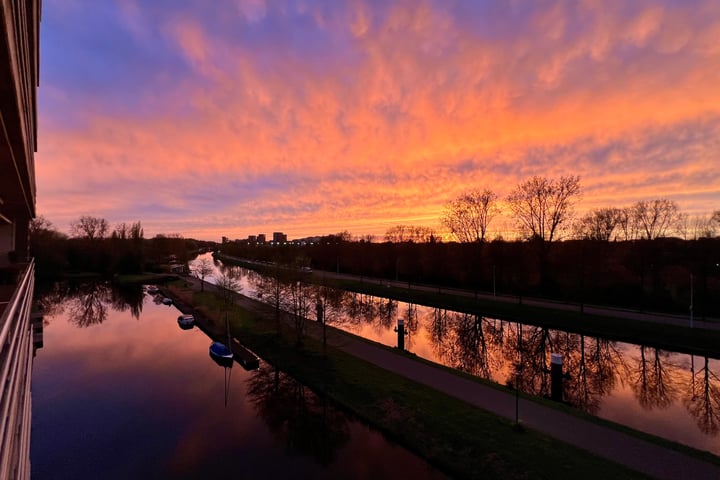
359, 119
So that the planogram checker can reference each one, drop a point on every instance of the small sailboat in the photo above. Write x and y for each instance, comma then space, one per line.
222, 354
220, 350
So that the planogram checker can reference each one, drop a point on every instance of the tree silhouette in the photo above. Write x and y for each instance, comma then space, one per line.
90, 228
536, 346
468, 216
703, 399
653, 379
440, 332
541, 206
599, 224
590, 366
202, 268
88, 306
654, 218
296, 416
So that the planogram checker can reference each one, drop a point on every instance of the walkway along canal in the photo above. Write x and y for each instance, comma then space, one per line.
504, 404
657, 389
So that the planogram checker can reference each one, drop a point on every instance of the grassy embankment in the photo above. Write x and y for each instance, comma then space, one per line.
462, 440
679, 338
659, 335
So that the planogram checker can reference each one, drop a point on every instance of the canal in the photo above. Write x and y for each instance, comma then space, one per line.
663, 392
120, 391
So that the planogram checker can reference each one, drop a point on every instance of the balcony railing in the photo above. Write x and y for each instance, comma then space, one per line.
16, 354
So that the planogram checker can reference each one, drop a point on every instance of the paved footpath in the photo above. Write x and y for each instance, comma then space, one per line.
649, 458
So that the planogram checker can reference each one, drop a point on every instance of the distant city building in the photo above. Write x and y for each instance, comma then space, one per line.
279, 237
225, 239
252, 239
261, 238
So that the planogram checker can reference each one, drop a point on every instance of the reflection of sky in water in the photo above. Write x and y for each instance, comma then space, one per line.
140, 398
655, 394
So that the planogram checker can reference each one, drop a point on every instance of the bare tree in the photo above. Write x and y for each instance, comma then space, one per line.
468, 216
271, 287
229, 287
201, 269
410, 233
88, 227
628, 224
702, 227
136, 231
682, 225
713, 224
328, 308
40, 224
228, 284
542, 206
300, 307
598, 224
654, 218
121, 231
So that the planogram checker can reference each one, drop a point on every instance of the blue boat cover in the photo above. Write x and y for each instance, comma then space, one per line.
219, 349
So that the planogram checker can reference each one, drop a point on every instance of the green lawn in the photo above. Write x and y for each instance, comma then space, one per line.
462, 440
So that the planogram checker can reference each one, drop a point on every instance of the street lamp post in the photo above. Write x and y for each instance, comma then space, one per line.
691, 300
493, 280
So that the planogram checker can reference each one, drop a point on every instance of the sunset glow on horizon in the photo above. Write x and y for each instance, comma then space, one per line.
240, 117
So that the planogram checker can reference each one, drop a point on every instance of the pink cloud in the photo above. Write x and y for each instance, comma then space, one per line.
421, 108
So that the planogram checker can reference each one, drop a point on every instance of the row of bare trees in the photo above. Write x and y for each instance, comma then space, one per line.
646, 219
542, 209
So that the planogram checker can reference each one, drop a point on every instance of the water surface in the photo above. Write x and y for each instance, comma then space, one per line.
120, 391
663, 392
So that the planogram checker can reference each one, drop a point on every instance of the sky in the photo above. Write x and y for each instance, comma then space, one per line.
237, 117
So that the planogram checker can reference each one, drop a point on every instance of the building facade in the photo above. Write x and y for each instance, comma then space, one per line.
19, 62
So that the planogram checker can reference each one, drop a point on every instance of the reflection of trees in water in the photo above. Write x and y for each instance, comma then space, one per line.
127, 299
590, 365
654, 379
304, 421
535, 345
464, 341
387, 311
51, 299
439, 331
380, 313
590, 371
233, 271
410, 314
703, 398
491, 348
88, 305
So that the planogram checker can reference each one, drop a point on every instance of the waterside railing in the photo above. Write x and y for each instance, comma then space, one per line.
16, 354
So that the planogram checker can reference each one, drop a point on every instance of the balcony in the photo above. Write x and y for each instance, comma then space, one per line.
16, 354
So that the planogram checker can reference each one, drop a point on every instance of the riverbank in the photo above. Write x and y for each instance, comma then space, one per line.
435, 412
651, 329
